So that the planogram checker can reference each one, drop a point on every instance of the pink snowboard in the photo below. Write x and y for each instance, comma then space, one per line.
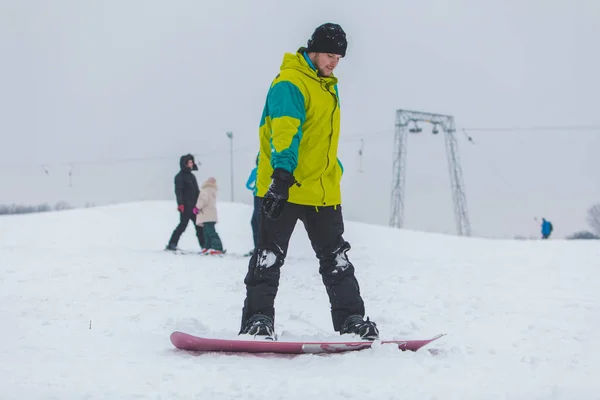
185, 341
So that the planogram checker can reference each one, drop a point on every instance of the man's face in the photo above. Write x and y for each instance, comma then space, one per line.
190, 164
326, 63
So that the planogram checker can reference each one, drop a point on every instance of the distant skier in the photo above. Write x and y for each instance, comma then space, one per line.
547, 228
299, 179
186, 194
251, 185
206, 216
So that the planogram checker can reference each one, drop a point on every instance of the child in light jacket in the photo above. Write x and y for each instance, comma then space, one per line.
206, 216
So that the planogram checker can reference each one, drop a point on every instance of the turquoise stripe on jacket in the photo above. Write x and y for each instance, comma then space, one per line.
285, 100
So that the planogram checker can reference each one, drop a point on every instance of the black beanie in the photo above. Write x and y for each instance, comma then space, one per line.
328, 38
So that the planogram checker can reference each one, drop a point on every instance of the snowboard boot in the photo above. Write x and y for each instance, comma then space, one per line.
259, 325
171, 247
356, 325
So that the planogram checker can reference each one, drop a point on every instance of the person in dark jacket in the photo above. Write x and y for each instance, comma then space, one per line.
186, 193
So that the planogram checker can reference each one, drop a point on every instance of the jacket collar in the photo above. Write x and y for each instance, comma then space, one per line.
301, 62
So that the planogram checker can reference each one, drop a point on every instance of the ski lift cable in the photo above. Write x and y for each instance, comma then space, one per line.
345, 139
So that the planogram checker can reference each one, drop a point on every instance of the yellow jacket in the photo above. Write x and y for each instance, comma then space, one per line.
299, 132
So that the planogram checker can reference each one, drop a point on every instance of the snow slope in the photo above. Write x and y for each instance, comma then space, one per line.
88, 300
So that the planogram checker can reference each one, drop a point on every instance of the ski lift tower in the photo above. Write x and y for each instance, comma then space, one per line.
408, 121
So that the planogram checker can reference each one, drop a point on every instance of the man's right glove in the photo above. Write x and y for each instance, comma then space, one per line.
181, 208
278, 193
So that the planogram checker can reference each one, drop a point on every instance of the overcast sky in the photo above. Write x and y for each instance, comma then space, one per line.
115, 91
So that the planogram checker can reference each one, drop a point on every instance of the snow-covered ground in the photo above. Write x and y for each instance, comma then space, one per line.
88, 299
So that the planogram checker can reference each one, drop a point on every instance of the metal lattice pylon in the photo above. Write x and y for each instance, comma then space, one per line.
404, 118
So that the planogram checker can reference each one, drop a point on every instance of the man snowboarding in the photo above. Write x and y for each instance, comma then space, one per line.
299, 178
186, 193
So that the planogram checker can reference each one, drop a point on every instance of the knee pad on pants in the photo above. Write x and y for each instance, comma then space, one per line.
336, 266
264, 266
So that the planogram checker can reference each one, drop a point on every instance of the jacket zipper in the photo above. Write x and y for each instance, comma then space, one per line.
329, 147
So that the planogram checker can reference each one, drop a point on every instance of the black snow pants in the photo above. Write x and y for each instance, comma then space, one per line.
184, 219
324, 226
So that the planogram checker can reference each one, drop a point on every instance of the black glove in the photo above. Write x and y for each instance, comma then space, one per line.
278, 193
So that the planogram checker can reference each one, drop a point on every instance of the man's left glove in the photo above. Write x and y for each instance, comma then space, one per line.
278, 193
